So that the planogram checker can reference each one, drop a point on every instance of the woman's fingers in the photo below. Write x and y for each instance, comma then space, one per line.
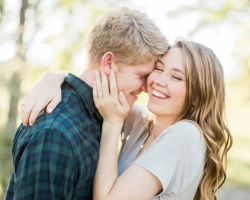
98, 85
124, 102
94, 92
105, 86
52, 105
26, 111
113, 86
111, 107
35, 112
24, 104
25, 101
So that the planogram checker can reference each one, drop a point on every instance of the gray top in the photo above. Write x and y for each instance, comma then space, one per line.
176, 157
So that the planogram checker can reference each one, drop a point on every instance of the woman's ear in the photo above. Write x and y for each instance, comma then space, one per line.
194, 103
107, 60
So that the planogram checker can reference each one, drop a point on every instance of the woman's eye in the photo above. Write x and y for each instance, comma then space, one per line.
177, 78
158, 69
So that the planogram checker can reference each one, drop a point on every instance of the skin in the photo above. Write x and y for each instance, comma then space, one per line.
46, 92
166, 78
130, 79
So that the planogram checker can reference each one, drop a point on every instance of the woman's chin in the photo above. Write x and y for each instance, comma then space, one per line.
153, 108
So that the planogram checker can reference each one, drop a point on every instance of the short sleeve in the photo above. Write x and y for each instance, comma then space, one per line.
175, 157
136, 119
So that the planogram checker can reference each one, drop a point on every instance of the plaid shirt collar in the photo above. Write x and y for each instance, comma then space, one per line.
86, 94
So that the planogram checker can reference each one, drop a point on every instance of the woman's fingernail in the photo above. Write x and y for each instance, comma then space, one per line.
96, 72
31, 124
121, 93
24, 124
111, 73
94, 82
50, 110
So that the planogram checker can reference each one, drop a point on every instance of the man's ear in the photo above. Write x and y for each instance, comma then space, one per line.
108, 59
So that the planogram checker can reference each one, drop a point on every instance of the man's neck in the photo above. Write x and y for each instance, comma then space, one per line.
88, 76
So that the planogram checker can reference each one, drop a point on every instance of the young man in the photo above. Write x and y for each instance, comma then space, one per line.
56, 158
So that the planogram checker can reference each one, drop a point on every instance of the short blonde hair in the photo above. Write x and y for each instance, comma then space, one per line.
129, 34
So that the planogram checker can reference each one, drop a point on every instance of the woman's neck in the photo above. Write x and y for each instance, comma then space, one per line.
160, 123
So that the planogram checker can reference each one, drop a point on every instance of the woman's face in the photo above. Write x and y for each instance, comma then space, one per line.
167, 85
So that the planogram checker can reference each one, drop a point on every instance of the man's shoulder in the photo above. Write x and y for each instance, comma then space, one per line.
26, 133
67, 121
69, 94
66, 112
63, 121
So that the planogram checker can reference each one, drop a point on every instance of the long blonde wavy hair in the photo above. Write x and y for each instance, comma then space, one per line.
205, 105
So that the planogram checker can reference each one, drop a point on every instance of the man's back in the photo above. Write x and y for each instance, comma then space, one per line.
57, 157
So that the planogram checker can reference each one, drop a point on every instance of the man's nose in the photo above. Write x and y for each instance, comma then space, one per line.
144, 86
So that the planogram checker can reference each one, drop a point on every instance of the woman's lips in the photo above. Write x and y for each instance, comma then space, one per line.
160, 93
155, 98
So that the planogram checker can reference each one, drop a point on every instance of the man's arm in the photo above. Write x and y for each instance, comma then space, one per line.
10, 191
44, 168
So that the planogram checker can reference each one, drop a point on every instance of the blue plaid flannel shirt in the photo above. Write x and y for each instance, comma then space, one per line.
57, 157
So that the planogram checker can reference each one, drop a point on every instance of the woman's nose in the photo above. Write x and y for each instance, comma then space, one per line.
161, 80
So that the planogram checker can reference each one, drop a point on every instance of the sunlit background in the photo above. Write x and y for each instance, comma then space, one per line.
50, 35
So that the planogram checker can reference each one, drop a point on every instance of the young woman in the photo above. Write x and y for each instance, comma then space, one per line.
179, 150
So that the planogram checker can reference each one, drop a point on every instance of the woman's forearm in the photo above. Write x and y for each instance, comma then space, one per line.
57, 77
107, 170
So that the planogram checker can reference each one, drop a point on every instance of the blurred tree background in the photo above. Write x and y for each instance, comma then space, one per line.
51, 35
27, 25
237, 14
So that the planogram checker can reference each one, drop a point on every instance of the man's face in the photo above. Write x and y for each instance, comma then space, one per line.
132, 80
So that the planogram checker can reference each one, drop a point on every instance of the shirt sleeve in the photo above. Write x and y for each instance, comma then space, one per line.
44, 167
136, 119
175, 157
10, 191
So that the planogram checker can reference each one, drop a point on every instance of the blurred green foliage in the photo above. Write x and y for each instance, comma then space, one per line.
236, 14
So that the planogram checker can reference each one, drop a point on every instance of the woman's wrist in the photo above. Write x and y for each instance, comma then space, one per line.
110, 124
111, 129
